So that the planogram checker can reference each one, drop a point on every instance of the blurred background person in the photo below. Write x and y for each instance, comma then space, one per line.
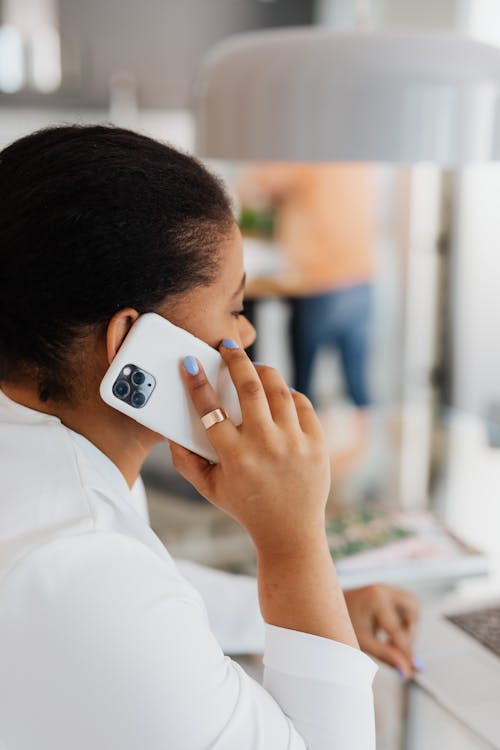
322, 219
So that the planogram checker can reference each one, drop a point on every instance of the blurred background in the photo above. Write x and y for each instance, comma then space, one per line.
373, 287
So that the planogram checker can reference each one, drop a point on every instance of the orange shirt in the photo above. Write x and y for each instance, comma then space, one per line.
325, 221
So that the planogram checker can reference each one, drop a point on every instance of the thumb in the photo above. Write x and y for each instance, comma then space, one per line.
195, 469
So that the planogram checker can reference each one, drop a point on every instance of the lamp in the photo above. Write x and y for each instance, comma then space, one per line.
312, 94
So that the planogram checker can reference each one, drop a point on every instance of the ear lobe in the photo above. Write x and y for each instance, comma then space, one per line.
118, 327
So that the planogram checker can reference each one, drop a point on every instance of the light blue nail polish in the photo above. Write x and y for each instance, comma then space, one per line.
229, 344
418, 664
191, 365
292, 390
258, 363
401, 674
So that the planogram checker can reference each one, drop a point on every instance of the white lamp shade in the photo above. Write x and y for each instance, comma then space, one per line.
311, 94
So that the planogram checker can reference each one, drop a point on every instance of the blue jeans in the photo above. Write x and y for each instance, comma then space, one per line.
338, 319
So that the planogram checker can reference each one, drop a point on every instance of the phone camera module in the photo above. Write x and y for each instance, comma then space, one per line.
121, 389
134, 386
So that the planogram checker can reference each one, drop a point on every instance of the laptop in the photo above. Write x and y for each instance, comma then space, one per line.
460, 647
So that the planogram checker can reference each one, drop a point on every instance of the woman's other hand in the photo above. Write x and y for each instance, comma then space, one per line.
384, 619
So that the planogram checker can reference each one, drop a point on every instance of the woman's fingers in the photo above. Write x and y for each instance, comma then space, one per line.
307, 417
252, 397
289, 408
388, 653
205, 400
384, 618
407, 607
279, 398
389, 621
399, 618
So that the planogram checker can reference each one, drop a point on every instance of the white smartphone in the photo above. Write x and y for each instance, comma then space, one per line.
144, 382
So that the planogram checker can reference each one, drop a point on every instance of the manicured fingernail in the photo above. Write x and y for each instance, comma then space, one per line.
418, 664
292, 390
258, 363
230, 344
401, 674
191, 365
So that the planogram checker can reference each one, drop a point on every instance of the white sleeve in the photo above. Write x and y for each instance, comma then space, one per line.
233, 611
105, 645
232, 603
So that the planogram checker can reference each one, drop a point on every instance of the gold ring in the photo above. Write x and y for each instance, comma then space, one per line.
213, 417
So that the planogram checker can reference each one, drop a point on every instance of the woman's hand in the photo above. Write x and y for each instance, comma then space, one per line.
384, 619
273, 474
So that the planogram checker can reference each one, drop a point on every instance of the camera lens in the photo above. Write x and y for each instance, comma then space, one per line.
138, 399
138, 377
121, 389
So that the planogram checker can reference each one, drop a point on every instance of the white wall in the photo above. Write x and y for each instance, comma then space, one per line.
174, 126
160, 42
419, 14
476, 303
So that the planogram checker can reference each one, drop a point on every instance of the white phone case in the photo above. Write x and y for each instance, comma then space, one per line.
158, 347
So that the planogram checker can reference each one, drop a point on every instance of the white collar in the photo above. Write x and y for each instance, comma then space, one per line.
108, 474
12, 411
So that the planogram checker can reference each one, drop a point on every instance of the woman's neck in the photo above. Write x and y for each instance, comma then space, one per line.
125, 442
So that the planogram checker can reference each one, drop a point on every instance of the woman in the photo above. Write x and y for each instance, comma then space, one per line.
103, 643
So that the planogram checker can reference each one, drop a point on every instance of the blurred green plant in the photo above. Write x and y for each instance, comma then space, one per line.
257, 222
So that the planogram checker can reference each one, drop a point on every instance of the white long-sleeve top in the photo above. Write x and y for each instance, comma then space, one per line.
105, 645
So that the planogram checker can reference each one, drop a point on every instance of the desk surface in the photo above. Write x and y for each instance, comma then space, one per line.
460, 675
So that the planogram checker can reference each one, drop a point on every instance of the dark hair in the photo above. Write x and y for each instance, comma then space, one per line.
94, 219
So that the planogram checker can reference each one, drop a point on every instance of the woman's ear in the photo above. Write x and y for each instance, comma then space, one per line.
118, 327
